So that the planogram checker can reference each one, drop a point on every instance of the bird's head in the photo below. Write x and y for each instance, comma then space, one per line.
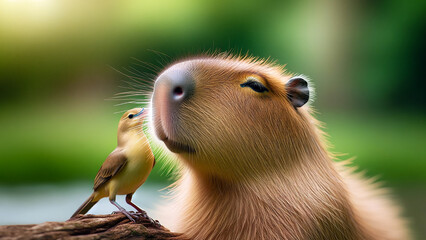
132, 120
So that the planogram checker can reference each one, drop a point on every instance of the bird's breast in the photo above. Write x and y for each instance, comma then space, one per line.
139, 165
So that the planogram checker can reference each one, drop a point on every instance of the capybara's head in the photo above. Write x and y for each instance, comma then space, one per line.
231, 117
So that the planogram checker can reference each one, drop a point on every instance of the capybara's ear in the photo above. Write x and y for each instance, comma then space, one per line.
297, 91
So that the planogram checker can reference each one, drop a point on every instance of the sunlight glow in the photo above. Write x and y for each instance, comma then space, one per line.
23, 16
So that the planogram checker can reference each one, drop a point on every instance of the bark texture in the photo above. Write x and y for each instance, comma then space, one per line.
113, 226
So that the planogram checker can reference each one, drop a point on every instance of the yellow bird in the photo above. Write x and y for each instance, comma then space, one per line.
126, 168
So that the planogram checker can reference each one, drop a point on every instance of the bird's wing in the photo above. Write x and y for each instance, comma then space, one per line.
112, 165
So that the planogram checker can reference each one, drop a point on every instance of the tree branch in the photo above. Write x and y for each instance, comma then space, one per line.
113, 226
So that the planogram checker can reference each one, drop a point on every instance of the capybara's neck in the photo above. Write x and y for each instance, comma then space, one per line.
298, 203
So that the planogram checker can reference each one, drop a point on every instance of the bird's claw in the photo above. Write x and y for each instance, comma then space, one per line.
137, 215
143, 213
154, 222
130, 215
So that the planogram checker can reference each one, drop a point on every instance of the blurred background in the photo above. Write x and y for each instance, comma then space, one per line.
62, 62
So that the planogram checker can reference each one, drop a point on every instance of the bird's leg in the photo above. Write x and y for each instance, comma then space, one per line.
144, 214
122, 210
129, 201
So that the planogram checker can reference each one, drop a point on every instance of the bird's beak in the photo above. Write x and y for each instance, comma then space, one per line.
139, 113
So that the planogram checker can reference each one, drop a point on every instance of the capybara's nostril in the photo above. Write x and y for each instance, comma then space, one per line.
182, 85
177, 86
177, 92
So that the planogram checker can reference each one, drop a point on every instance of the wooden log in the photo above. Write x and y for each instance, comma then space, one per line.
112, 226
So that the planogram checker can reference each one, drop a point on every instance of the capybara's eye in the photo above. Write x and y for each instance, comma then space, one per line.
130, 116
255, 86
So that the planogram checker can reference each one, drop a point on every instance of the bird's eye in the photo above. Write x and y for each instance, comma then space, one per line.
255, 86
130, 116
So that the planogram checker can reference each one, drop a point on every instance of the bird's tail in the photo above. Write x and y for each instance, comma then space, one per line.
85, 207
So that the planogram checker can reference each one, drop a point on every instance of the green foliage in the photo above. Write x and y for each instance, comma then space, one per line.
389, 146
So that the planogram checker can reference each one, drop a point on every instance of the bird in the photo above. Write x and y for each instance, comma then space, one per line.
126, 168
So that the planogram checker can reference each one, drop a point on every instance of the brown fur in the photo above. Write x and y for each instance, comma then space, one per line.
261, 168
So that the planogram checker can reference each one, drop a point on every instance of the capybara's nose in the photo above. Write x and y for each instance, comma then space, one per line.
172, 88
177, 86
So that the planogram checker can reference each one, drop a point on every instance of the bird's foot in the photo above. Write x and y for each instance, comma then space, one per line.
154, 222
136, 216
129, 215
143, 213
117, 212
